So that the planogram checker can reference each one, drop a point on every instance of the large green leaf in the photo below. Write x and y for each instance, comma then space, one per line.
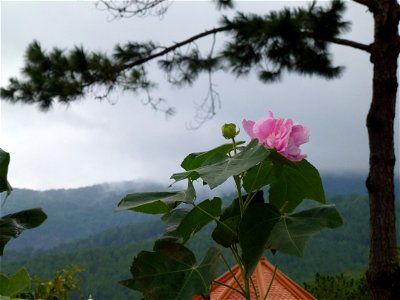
184, 223
254, 231
226, 232
4, 162
171, 272
13, 285
315, 187
173, 218
294, 184
218, 167
196, 160
156, 202
258, 176
12, 225
291, 232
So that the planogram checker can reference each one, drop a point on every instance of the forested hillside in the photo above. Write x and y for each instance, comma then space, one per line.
107, 256
73, 213
78, 213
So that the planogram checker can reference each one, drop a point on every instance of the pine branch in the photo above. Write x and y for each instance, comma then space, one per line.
352, 44
366, 3
174, 47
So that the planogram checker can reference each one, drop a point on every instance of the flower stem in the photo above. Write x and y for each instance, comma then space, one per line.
214, 218
270, 284
230, 287
255, 289
238, 184
233, 275
242, 271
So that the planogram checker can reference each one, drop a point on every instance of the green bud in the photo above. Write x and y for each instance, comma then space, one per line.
229, 131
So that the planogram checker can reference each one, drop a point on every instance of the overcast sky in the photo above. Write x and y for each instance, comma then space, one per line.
120, 139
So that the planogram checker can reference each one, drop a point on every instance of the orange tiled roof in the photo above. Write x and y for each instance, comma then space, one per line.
283, 288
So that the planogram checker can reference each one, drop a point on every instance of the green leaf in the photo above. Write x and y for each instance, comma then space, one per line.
196, 160
294, 184
227, 234
254, 231
258, 176
12, 225
315, 189
173, 218
156, 202
291, 233
4, 162
185, 223
218, 168
15, 284
171, 272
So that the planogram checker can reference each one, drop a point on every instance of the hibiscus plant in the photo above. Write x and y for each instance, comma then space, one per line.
271, 177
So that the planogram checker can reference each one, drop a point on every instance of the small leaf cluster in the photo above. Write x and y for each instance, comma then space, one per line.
22, 286
12, 225
249, 225
12, 286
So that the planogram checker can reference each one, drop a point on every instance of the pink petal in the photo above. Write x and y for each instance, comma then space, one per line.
248, 126
300, 134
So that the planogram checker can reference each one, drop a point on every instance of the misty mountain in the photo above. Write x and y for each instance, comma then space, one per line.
74, 213
77, 213
107, 256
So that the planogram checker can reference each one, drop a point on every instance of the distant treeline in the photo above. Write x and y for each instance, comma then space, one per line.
107, 256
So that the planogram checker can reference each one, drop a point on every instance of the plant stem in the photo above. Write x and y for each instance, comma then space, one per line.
255, 289
242, 271
239, 191
233, 275
234, 146
214, 218
237, 180
270, 284
251, 195
230, 287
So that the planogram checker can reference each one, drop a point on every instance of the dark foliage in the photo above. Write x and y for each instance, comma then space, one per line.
338, 287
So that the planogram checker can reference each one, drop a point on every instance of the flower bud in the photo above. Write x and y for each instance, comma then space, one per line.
229, 131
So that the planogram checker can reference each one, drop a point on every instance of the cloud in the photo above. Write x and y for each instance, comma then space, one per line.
91, 142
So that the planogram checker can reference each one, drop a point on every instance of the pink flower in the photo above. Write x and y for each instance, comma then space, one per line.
281, 134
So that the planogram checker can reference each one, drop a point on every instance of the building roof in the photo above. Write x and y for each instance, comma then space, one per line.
283, 288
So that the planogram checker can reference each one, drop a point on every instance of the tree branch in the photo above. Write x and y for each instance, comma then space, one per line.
366, 3
172, 48
141, 8
398, 10
398, 44
349, 43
